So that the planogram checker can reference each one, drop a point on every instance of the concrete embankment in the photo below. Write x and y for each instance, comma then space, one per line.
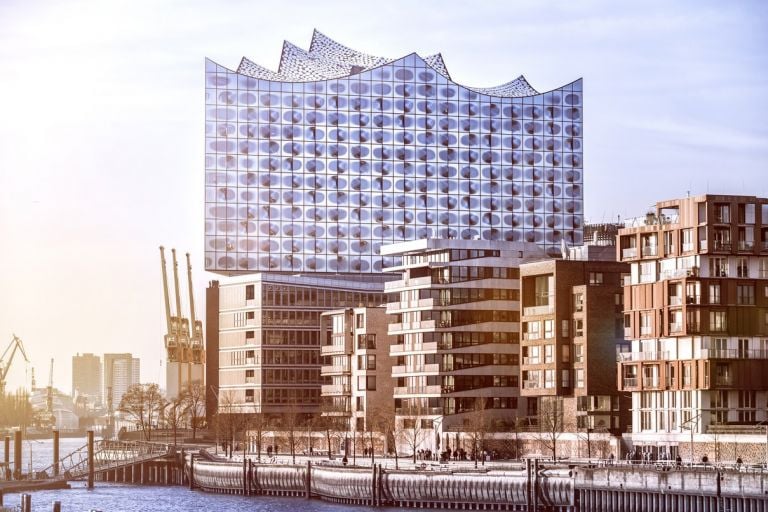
578, 489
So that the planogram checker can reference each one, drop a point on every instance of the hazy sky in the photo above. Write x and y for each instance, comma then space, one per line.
101, 128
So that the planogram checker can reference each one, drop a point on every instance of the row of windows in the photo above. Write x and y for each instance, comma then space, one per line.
461, 274
291, 376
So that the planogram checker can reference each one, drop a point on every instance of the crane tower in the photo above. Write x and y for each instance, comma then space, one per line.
183, 339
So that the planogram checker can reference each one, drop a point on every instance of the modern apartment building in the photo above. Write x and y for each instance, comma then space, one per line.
696, 312
456, 317
357, 369
314, 167
572, 331
263, 339
86, 378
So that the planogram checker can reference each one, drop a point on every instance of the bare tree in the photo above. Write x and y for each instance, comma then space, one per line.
551, 423
291, 423
383, 419
411, 430
258, 425
174, 415
476, 427
194, 400
230, 421
143, 403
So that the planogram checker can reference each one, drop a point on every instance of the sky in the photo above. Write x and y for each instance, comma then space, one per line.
102, 124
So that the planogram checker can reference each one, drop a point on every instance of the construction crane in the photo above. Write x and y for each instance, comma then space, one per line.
49, 396
7, 358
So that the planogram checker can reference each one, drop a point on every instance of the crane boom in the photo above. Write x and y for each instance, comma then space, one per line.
176, 283
191, 298
165, 290
5, 364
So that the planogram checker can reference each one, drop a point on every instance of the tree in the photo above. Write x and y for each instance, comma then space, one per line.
551, 423
175, 414
411, 430
194, 400
476, 427
383, 419
332, 421
230, 422
143, 403
291, 423
258, 426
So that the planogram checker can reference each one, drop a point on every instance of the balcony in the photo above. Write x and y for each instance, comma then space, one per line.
531, 360
650, 250
650, 382
335, 389
646, 330
676, 327
426, 368
625, 357
722, 246
680, 273
728, 353
532, 384
334, 370
328, 350
675, 300
418, 390
546, 309
669, 249
630, 382
745, 246
693, 299
688, 246
629, 253
703, 245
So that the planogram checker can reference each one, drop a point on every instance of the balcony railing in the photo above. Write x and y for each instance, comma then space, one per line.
645, 330
676, 327
546, 309
687, 246
744, 245
675, 300
329, 370
722, 245
335, 389
650, 382
650, 250
628, 253
680, 273
625, 357
630, 382
426, 368
729, 353
724, 380
417, 390
333, 349
532, 384
531, 360
669, 249
527, 336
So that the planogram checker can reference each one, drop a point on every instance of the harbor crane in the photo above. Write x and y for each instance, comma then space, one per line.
7, 358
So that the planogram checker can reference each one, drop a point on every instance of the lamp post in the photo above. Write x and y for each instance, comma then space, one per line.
691, 426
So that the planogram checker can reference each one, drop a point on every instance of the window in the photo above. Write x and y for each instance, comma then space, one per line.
549, 353
578, 327
595, 278
578, 302
722, 213
646, 324
531, 330
366, 383
745, 294
566, 354
360, 403
249, 394
549, 378
718, 267
647, 271
249, 373
250, 315
366, 362
366, 341
742, 269
250, 292
579, 378
578, 353
249, 335
714, 294
687, 240
360, 320
566, 379
549, 328
718, 321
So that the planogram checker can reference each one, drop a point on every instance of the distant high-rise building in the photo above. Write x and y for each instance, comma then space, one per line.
314, 167
121, 371
86, 378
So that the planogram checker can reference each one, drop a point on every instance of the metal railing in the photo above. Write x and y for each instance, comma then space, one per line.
546, 309
629, 252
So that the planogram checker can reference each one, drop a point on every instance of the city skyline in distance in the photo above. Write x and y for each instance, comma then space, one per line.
101, 156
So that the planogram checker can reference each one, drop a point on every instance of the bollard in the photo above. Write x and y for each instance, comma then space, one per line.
90, 459
1, 498
55, 453
17, 455
191, 476
7, 457
56, 506
26, 503
308, 482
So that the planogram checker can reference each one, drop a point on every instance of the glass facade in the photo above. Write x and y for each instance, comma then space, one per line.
314, 167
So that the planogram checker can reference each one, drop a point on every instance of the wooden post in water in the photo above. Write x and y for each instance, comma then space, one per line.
308, 481
26, 503
7, 458
535, 484
17, 455
191, 476
55, 453
1, 494
528, 489
90, 459
56, 506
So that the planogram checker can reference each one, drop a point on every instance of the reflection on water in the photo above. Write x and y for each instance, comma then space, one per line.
128, 498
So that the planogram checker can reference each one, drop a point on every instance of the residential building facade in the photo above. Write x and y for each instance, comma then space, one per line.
121, 371
572, 332
455, 318
87, 379
264, 331
696, 312
357, 369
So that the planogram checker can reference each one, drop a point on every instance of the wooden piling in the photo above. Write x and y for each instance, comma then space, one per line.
90, 459
56, 506
17, 455
55, 453
7, 457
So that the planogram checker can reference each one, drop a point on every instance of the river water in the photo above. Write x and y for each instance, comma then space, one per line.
108, 497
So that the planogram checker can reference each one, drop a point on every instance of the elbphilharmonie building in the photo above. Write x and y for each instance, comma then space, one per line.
315, 166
